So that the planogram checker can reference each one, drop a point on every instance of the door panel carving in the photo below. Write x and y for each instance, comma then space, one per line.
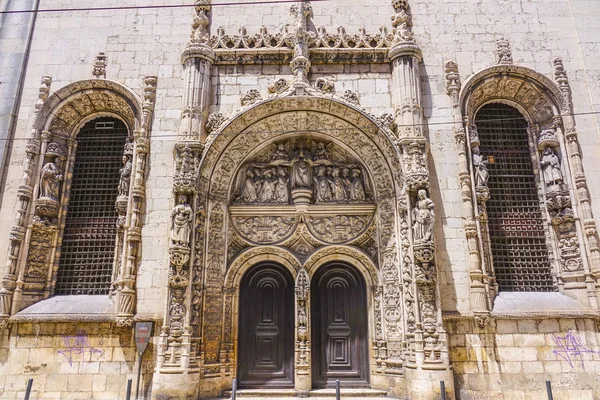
266, 341
339, 327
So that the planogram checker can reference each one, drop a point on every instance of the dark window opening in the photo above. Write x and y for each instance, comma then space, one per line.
88, 245
515, 222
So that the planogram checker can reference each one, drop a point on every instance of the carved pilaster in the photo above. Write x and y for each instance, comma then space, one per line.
568, 128
303, 356
479, 279
25, 195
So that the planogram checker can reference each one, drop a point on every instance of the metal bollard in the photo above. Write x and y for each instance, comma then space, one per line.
128, 394
549, 390
234, 390
337, 390
443, 389
28, 390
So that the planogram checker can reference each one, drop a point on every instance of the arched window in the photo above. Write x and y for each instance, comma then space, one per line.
88, 243
516, 228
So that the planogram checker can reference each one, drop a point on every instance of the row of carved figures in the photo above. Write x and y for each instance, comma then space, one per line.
330, 184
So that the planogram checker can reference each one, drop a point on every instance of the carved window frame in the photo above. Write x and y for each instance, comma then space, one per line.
58, 120
547, 108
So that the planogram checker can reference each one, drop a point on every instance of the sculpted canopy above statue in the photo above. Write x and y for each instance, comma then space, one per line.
302, 171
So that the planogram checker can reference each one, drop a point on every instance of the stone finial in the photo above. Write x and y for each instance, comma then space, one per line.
452, 78
201, 23
43, 93
402, 21
503, 51
560, 75
250, 97
301, 62
100, 65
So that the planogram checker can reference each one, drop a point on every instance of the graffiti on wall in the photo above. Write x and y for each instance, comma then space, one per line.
571, 349
78, 348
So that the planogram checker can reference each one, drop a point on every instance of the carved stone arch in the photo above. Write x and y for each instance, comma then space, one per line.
66, 109
255, 255
348, 255
533, 94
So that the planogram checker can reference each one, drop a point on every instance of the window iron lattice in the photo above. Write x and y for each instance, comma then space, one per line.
515, 221
88, 245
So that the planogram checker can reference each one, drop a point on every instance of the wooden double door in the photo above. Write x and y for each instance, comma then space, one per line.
338, 328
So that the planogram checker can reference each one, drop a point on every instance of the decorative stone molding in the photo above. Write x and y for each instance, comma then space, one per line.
250, 97
100, 66
503, 52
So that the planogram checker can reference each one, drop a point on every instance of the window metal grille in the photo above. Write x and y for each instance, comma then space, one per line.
516, 227
88, 247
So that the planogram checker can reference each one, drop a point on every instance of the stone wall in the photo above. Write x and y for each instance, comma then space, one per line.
512, 359
70, 361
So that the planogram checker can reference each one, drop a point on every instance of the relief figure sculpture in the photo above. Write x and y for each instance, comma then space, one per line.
551, 168
50, 179
357, 188
301, 171
267, 190
423, 218
338, 191
282, 186
322, 189
249, 192
181, 225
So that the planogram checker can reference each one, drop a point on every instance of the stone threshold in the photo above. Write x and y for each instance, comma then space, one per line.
318, 394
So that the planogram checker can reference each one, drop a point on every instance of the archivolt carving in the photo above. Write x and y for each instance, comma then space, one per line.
255, 255
73, 103
533, 92
359, 260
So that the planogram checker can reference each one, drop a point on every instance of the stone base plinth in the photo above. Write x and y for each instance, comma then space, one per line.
175, 386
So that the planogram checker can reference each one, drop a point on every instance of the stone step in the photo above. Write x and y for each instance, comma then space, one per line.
319, 394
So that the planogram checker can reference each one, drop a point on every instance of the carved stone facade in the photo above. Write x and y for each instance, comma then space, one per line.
259, 139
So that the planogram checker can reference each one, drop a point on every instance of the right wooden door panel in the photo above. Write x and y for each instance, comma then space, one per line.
339, 327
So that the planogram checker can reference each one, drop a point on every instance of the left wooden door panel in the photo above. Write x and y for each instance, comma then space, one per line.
266, 329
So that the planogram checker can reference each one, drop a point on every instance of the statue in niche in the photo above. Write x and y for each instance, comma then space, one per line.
50, 179
281, 188
125, 177
338, 191
346, 181
322, 189
181, 225
551, 168
423, 217
480, 168
267, 189
357, 188
249, 191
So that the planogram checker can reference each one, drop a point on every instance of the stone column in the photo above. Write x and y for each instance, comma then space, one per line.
427, 349
479, 279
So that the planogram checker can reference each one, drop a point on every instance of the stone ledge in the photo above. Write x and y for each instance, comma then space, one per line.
73, 308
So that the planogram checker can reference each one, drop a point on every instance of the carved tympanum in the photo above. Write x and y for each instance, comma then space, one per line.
300, 172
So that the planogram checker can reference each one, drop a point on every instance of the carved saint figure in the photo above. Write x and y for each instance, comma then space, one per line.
322, 189
338, 190
423, 217
267, 190
281, 188
480, 168
50, 180
357, 188
301, 171
125, 179
279, 153
346, 180
551, 168
181, 225
320, 152
249, 194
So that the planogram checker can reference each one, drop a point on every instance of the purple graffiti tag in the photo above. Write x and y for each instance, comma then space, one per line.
570, 348
78, 345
